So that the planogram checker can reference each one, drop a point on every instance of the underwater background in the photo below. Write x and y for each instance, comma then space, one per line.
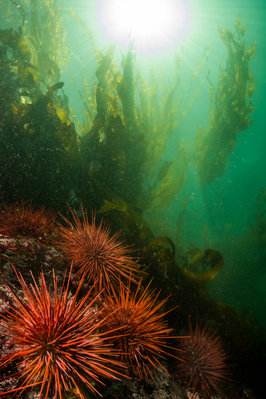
224, 214
167, 144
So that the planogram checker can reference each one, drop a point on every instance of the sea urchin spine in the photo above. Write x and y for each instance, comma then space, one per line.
56, 340
143, 331
203, 368
95, 252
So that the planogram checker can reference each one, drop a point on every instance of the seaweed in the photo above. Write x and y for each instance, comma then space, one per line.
231, 107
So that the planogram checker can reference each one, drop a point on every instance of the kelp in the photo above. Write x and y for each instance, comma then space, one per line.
113, 141
200, 261
38, 140
128, 125
231, 107
40, 152
162, 107
128, 120
117, 160
159, 112
41, 38
158, 116
164, 190
46, 35
128, 218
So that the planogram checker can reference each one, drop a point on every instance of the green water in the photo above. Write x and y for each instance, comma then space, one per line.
149, 136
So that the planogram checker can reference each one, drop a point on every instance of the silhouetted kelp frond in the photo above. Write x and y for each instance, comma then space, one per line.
230, 107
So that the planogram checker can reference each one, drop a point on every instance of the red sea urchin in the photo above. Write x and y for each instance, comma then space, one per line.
55, 340
23, 220
95, 252
143, 331
203, 368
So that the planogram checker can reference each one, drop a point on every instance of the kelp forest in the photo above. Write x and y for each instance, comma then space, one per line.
97, 296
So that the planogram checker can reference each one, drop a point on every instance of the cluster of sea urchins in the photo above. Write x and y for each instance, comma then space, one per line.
62, 340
